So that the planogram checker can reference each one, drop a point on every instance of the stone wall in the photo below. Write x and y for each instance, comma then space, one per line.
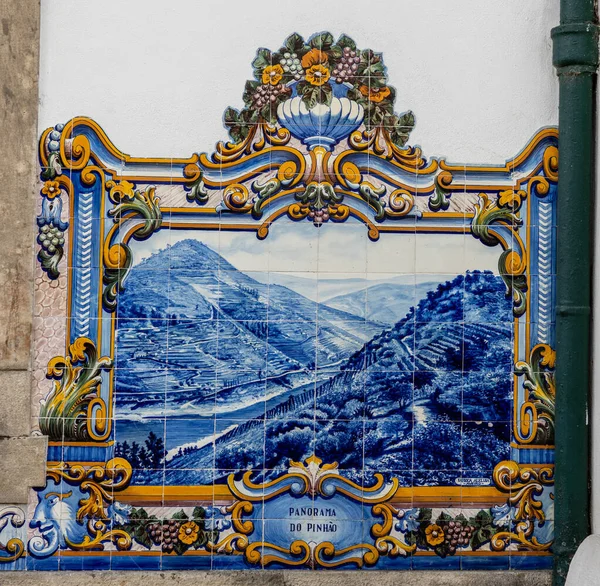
287, 578
19, 58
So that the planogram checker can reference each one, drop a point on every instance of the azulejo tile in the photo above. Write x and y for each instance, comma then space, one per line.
318, 349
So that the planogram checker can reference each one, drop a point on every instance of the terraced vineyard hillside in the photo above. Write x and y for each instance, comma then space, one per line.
228, 336
429, 398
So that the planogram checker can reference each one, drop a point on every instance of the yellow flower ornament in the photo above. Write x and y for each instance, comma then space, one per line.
434, 535
51, 189
272, 74
188, 532
317, 75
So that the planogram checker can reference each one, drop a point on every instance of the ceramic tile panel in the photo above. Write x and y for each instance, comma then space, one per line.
313, 348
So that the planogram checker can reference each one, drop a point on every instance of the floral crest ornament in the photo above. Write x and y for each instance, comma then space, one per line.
321, 90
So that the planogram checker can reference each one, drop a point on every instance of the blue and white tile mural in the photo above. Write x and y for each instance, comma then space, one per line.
233, 371
313, 347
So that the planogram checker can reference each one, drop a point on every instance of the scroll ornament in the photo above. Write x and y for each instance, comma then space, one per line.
523, 512
131, 205
13, 549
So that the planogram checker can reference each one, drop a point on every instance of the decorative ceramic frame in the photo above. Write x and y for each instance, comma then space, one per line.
100, 199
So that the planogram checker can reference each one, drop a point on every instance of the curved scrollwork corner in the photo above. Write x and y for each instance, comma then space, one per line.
378, 141
142, 208
88, 494
401, 203
236, 198
525, 485
248, 137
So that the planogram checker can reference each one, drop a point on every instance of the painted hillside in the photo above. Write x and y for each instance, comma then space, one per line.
221, 347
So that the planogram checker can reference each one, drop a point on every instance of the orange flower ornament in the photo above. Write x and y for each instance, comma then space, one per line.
316, 64
375, 94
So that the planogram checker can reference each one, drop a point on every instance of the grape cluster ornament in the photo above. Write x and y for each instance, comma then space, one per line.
50, 238
347, 66
269, 94
291, 64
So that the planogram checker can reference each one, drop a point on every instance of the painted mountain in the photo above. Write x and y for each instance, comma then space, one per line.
428, 399
195, 336
382, 302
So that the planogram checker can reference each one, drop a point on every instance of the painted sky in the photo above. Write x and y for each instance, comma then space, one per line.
296, 254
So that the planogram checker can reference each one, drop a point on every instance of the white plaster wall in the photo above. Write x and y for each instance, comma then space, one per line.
157, 75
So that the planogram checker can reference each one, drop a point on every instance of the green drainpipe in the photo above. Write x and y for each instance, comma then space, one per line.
576, 60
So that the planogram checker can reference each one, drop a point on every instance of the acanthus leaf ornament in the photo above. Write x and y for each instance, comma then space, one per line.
67, 413
196, 188
372, 195
438, 200
134, 203
490, 218
539, 406
319, 199
287, 175
349, 176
